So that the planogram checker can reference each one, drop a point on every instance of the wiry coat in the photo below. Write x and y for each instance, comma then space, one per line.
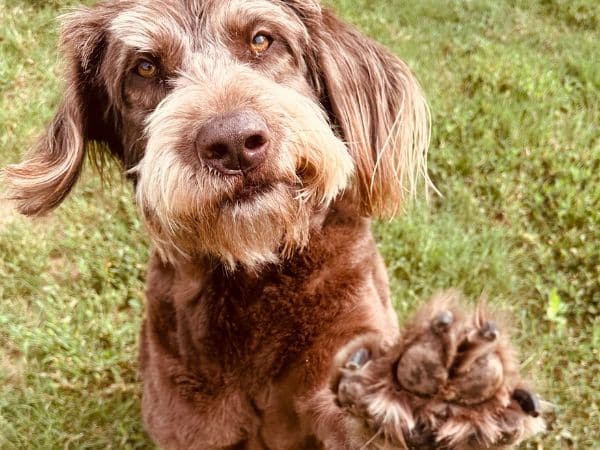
260, 277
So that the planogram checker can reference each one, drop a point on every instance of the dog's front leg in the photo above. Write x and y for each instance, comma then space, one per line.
451, 382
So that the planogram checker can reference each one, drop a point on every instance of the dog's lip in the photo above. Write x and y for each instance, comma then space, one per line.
249, 191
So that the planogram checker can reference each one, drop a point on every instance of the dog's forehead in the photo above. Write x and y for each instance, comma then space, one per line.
193, 24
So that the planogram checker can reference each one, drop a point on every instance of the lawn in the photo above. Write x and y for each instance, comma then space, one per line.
514, 88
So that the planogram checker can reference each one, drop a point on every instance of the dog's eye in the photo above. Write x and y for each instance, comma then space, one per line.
146, 69
260, 43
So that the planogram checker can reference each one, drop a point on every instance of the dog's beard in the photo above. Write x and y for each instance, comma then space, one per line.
252, 232
192, 211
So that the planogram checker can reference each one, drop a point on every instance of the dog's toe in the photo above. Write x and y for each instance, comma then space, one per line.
351, 388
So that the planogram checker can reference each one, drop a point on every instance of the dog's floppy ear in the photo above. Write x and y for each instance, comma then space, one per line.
382, 114
52, 167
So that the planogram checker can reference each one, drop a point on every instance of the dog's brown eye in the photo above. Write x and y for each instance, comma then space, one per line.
260, 43
146, 69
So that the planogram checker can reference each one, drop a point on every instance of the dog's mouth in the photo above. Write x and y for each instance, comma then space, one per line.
248, 191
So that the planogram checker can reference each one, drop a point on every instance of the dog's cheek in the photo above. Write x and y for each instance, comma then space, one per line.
321, 159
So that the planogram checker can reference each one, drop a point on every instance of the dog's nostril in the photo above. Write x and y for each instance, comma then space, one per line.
255, 142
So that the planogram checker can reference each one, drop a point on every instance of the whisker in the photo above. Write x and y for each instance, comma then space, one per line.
371, 440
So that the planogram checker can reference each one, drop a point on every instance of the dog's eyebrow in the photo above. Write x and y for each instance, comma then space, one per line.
264, 12
141, 30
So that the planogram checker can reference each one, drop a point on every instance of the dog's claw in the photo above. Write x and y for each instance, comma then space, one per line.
528, 401
358, 359
443, 321
489, 331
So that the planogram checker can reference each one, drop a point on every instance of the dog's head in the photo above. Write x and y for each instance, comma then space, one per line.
238, 121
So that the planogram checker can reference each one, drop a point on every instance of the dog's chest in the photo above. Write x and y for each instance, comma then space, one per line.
247, 329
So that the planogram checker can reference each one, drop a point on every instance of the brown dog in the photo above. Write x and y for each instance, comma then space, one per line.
261, 136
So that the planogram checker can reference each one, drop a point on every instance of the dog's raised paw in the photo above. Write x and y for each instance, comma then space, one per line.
451, 382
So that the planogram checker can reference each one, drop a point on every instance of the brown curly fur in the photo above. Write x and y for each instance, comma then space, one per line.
258, 279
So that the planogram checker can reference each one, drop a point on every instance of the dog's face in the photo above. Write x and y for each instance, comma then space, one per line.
238, 120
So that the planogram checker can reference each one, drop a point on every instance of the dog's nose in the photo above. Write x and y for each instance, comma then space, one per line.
234, 143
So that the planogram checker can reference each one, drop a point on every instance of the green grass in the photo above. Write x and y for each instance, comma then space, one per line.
514, 89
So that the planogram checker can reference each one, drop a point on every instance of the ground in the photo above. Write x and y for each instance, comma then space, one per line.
514, 89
